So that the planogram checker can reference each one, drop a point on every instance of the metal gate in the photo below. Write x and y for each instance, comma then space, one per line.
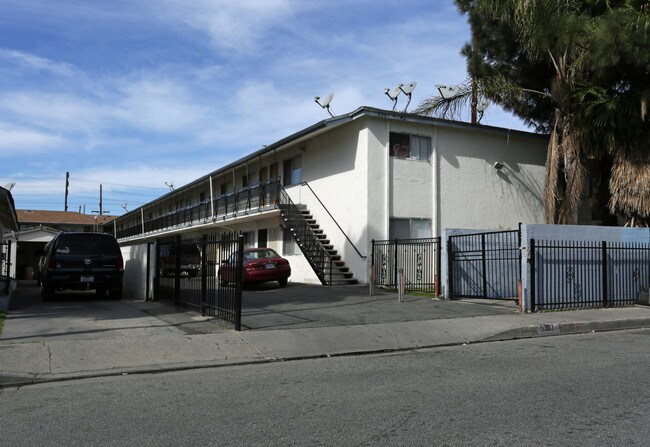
485, 265
417, 259
188, 274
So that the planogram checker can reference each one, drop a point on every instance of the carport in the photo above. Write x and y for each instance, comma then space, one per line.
29, 244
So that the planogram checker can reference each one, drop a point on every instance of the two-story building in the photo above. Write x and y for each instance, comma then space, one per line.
369, 174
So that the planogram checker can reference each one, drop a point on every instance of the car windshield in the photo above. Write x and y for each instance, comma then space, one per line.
86, 244
260, 254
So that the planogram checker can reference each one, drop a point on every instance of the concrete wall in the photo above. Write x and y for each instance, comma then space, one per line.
473, 194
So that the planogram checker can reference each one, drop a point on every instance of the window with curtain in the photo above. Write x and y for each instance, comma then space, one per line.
292, 171
411, 147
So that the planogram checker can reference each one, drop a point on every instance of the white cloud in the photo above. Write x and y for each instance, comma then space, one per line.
15, 140
160, 105
34, 62
233, 25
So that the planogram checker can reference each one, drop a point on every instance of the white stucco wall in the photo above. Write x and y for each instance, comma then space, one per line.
473, 194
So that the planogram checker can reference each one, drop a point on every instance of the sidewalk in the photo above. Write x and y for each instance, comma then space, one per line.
146, 337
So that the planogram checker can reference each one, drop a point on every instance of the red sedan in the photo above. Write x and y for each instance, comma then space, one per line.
260, 265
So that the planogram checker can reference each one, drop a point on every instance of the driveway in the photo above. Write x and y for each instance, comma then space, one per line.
269, 306
82, 315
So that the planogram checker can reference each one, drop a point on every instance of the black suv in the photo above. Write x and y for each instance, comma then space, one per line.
82, 261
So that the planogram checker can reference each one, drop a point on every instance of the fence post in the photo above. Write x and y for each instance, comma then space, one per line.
483, 265
400, 285
395, 264
177, 269
604, 273
240, 275
438, 248
372, 269
450, 269
204, 274
532, 275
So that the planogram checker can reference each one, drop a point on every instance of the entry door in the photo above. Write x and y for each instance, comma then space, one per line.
262, 238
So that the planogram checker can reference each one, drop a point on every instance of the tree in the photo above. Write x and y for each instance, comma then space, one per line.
578, 70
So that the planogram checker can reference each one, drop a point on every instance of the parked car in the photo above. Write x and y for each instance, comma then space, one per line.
81, 261
190, 260
259, 265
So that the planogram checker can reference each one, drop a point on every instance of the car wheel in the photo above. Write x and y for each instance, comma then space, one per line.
283, 282
116, 294
47, 292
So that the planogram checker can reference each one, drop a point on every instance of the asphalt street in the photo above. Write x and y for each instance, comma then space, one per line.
578, 390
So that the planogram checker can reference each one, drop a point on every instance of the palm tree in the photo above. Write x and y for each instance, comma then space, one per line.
586, 98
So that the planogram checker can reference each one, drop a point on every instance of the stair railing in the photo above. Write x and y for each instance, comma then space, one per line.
319, 259
334, 220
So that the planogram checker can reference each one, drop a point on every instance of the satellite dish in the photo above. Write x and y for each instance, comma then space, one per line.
9, 186
482, 104
408, 88
393, 94
448, 91
326, 102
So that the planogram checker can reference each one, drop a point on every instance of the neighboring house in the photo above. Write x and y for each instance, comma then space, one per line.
61, 220
370, 174
38, 227
8, 224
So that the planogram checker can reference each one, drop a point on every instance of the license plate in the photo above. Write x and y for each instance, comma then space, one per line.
87, 278
269, 265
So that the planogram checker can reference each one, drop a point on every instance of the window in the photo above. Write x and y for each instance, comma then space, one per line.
289, 246
291, 171
410, 228
224, 188
409, 146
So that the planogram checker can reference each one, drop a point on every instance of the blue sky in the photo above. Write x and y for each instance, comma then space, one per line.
133, 94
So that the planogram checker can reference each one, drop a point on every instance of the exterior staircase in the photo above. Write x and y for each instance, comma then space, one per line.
318, 250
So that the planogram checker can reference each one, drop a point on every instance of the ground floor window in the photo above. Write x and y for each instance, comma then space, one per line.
410, 228
289, 246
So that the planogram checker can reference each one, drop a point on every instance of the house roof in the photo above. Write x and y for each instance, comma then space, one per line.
8, 210
334, 122
60, 217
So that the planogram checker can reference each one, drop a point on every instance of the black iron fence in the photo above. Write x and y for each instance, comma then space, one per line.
571, 274
484, 265
417, 259
188, 274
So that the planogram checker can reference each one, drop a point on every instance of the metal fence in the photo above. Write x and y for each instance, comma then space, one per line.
484, 265
187, 275
571, 274
418, 259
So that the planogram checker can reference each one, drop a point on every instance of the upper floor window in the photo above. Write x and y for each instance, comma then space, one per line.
292, 171
414, 147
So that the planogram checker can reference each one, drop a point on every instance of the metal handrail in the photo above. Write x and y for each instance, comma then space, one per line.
334, 220
319, 258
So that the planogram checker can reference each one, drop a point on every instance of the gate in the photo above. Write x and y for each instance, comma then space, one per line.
418, 259
485, 265
188, 275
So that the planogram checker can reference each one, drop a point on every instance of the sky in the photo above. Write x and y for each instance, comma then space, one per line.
138, 95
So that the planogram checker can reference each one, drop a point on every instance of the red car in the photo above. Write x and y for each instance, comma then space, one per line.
260, 265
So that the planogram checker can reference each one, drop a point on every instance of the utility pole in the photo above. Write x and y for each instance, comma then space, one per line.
67, 186
101, 203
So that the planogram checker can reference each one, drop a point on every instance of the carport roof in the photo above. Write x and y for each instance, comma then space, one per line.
60, 217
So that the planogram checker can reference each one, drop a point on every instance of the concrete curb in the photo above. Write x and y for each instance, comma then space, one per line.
9, 380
